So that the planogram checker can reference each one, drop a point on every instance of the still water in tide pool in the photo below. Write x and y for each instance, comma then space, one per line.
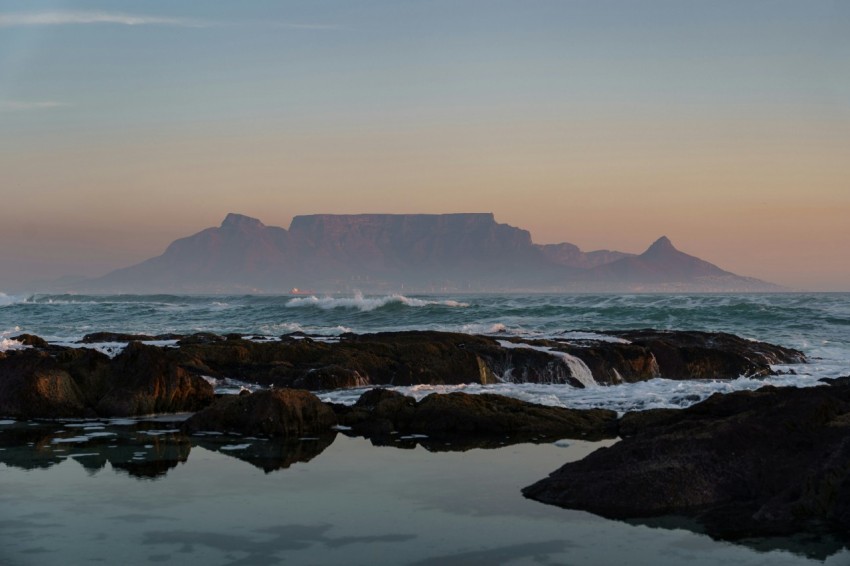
138, 492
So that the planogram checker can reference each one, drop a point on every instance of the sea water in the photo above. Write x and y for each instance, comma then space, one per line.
135, 491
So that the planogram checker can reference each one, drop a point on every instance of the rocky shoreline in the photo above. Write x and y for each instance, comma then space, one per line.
770, 462
51, 381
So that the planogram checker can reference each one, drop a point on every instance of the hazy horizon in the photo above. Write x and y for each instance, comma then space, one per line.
724, 126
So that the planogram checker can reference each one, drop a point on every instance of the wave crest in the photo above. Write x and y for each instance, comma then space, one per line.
366, 304
6, 300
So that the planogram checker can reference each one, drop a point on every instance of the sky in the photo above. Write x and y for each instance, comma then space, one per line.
724, 125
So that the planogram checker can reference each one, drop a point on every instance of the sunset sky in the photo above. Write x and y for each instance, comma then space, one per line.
722, 125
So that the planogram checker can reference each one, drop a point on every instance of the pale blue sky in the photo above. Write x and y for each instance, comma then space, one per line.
724, 125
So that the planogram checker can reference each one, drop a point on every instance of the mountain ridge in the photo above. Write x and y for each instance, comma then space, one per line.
411, 252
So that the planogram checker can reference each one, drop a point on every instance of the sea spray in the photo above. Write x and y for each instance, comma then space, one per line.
366, 304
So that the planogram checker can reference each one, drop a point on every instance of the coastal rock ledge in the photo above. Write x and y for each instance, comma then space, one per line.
41, 380
770, 462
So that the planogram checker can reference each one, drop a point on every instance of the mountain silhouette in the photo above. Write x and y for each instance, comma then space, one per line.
411, 252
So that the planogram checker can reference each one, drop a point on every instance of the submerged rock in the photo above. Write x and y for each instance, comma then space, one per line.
769, 462
273, 413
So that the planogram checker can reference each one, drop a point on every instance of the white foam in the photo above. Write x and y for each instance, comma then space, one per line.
580, 335
653, 394
111, 349
578, 369
484, 328
7, 422
7, 343
366, 304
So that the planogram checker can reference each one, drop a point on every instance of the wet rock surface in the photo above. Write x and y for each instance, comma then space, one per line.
49, 381
289, 413
381, 412
775, 461
709, 355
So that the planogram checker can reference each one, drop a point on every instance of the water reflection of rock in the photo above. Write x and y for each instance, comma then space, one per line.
455, 442
139, 451
267, 454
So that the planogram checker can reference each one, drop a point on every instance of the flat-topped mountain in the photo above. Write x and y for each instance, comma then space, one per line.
411, 252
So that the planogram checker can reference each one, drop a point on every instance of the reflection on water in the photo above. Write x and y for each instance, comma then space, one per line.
133, 492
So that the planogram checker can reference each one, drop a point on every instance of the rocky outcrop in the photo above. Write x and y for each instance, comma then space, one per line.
462, 413
34, 384
288, 413
59, 382
709, 355
396, 358
381, 412
769, 462
147, 379
425, 357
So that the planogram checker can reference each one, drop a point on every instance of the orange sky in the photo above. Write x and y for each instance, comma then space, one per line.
727, 133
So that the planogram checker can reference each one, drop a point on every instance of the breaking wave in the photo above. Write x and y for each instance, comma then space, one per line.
366, 304
6, 300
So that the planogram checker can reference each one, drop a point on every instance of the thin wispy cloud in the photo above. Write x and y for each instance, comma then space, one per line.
78, 18
63, 18
24, 105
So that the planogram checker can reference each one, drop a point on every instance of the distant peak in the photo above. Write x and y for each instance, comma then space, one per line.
234, 220
662, 244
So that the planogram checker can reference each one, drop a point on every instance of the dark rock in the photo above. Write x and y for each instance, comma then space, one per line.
168, 379
99, 337
200, 338
378, 411
382, 411
462, 413
31, 340
769, 462
710, 355
844, 380
273, 413
395, 358
144, 379
34, 385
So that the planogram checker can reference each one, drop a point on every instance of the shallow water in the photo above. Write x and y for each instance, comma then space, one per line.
193, 500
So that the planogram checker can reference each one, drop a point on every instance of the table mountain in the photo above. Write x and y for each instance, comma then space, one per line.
404, 252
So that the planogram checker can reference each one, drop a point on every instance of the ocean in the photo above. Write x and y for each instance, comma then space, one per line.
135, 491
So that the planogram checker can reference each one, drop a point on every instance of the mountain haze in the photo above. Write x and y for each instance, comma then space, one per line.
411, 252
